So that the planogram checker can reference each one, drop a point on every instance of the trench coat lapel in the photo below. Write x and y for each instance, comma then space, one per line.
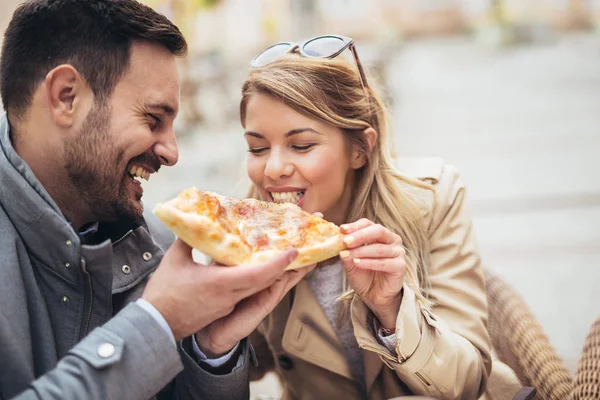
310, 336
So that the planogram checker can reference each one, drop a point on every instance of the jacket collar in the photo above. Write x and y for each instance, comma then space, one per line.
309, 336
45, 231
361, 320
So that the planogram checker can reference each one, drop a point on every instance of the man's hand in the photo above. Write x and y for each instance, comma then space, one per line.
191, 296
220, 336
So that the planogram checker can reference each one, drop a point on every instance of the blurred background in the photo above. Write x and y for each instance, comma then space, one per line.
506, 90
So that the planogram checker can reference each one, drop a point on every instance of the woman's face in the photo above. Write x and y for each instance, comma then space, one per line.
296, 159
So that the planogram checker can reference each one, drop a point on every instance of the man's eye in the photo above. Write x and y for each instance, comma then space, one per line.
155, 120
257, 150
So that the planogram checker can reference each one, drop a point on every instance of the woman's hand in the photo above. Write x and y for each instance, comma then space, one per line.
375, 265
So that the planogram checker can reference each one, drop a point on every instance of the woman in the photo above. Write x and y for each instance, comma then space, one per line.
414, 316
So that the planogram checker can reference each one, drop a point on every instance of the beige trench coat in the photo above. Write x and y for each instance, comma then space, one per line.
444, 354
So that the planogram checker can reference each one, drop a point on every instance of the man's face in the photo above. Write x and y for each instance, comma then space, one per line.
126, 140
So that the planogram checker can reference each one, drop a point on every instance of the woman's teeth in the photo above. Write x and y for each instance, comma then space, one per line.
139, 172
287, 197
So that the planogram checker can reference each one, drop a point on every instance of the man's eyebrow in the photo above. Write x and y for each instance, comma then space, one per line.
164, 107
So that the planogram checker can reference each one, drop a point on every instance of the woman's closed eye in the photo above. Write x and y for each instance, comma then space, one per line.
297, 147
257, 150
303, 147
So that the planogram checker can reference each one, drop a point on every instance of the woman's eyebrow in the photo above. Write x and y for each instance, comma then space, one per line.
300, 130
255, 134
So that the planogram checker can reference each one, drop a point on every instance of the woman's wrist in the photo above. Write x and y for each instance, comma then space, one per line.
387, 314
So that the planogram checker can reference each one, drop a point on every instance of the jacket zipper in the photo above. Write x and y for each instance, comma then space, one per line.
88, 316
122, 237
91, 298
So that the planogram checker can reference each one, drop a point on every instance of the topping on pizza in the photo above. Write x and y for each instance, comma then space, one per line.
235, 232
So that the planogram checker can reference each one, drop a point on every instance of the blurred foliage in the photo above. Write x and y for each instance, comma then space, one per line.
193, 5
182, 12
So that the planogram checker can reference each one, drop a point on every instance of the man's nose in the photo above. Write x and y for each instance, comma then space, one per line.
166, 150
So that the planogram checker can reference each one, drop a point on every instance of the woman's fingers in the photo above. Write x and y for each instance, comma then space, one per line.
392, 266
373, 233
349, 266
355, 226
376, 250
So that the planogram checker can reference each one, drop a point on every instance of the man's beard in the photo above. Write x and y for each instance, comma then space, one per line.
97, 172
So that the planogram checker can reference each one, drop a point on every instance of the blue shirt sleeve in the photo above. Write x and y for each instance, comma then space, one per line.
163, 323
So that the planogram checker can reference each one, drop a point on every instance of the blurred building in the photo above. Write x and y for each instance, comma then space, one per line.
509, 95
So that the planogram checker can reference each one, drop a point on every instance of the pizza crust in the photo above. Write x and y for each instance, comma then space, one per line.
203, 234
325, 250
234, 232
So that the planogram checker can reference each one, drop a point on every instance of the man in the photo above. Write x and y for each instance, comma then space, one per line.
92, 304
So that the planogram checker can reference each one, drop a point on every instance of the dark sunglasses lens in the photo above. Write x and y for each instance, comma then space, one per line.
323, 47
270, 54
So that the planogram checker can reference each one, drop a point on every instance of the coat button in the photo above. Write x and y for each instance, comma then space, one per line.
106, 350
285, 362
147, 256
67, 265
68, 243
65, 300
126, 269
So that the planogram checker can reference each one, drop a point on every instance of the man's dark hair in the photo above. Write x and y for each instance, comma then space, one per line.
92, 35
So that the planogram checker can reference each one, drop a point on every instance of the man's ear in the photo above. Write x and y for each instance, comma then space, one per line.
64, 92
359, 159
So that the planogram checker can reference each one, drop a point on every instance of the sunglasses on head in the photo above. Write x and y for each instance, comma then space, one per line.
326, 46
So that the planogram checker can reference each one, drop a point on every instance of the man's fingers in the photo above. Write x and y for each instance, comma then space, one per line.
253, 309
310, 268
215, 263
180, 251
281, 287
250, 279
270, 296
250, 311
246, 316
293, 277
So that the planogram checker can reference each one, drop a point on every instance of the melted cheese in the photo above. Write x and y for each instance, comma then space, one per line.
240, 231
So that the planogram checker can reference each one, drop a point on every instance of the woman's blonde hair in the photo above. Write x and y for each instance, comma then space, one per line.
330, 91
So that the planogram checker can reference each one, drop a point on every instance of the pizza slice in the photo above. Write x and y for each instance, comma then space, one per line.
250, 231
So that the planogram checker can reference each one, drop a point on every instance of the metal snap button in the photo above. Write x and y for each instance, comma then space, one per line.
67, 265
65, 300
69, 243
126, 269
147, 256
106, 350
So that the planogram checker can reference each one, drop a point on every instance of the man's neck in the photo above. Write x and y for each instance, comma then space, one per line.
47, 168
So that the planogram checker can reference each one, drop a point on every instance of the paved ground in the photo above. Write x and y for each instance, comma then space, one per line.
523, 126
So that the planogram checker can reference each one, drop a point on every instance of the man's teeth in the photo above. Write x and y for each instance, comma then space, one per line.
139, 172
287, 197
